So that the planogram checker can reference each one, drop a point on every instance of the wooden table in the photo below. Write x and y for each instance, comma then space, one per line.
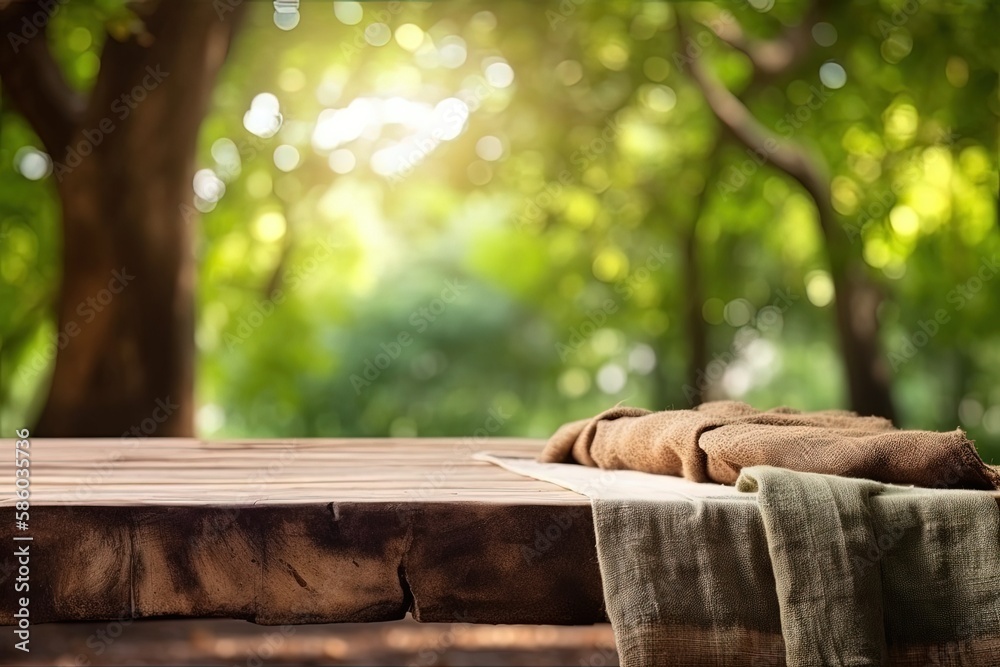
297, 531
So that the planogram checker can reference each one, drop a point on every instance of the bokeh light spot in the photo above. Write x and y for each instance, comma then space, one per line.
479, 173
342, 161
877, 253
738, 312
656, 68
611, 378
660, 98
291, 79
484, 20
819, 288
489, 148
499, 74
614, 56
409, 36
263, 119
32, 163
824, 34
713, 310
208, 186
452, 52
957, 71
259, 184
896, 46
642, 359
286, 158
80, 39
348, 13
991, 420
610, 265
378, 34
895, 269
832, 75
87, 65
269, 227
570, 72
970, 411
227, 158
904, 221
286, 18
574, 382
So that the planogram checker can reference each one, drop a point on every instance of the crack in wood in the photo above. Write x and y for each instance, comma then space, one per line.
298, 577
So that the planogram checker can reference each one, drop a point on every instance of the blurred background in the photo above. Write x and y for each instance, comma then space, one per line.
231, 220
242, 644
390, 219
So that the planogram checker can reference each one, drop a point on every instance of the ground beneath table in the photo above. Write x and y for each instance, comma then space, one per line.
227, 642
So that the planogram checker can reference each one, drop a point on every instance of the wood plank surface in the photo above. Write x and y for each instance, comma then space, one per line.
178, 472
298, 531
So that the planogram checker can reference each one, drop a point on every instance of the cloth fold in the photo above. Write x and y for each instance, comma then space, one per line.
816, 526
716, 440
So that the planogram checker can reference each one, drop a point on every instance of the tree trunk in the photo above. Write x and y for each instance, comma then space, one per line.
697, 332
856, 307
125, 310
694, 300
856, 298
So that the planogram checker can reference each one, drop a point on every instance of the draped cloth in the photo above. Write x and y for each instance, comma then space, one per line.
791, 568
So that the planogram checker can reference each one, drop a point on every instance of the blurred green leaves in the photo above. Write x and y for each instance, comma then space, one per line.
555, 188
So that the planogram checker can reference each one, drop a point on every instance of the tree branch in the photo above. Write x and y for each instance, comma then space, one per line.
773, 57
33, 80
744, 126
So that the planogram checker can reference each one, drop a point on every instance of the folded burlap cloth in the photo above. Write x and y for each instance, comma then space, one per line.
790, 568
716, 440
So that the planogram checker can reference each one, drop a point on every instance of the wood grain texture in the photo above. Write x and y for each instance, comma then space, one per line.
311, 531
176, 472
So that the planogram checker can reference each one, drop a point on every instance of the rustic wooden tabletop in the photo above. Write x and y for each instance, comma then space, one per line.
298, 531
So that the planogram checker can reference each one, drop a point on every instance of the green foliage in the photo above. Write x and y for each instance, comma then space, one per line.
605, 144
